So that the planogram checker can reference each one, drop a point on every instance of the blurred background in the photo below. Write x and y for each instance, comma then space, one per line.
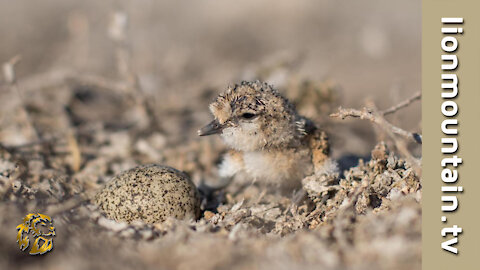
183, 54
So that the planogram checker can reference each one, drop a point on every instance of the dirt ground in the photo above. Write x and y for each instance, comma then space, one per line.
103, 87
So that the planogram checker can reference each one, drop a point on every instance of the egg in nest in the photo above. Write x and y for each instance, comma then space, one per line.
149, 193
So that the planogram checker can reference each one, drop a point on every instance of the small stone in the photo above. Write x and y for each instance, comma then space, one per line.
112, 225
222, 208
237, 206
208, 215
128, 233
146, 234
150, 193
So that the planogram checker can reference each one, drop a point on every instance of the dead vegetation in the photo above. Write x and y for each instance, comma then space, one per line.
367, 218
65, 131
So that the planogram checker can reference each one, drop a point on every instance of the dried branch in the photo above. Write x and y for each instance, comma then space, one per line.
377, 119
75, 153
29, 144
118, 33
374, 116
11, 79
402, 104
56, 209
64, 75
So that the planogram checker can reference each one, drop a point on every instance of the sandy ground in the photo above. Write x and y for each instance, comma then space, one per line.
93, 98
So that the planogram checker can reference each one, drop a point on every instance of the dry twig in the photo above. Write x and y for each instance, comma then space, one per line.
374, 116
75, 153
402, 104
11, 79
377, 119
64, 75
118, 33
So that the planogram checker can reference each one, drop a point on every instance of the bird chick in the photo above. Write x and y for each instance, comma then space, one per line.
269, 141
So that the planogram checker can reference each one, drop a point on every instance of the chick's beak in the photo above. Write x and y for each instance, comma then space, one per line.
213, 127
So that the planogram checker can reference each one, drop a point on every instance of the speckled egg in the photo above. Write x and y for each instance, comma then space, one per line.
150, 193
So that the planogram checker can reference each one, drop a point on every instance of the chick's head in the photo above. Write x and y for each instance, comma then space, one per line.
252, 116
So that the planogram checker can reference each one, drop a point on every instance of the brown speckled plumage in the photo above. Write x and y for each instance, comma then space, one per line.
277, 114
269, 140
150, 193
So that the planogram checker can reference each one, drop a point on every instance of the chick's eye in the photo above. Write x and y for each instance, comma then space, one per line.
248, 115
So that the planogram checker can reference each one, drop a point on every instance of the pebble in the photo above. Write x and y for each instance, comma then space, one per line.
112, 225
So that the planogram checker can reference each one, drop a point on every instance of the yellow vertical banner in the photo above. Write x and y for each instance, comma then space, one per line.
451, 125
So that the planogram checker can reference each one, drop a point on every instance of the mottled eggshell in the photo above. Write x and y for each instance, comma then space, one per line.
150, 193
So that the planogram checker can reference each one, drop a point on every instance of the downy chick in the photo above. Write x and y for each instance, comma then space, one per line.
269, 141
